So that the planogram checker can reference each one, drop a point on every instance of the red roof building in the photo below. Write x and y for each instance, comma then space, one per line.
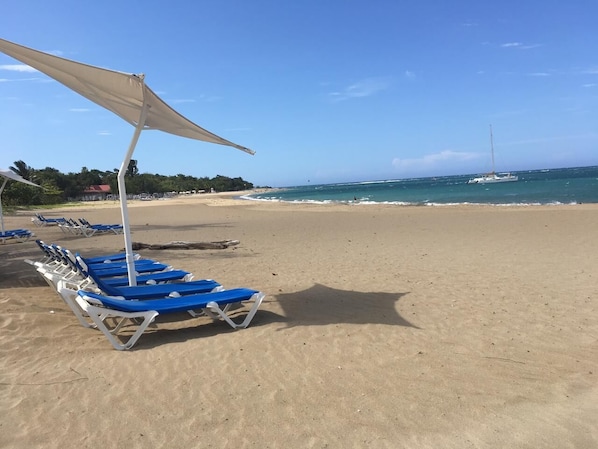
97, 192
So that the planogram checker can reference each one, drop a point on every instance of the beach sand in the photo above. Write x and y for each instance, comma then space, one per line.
383, 327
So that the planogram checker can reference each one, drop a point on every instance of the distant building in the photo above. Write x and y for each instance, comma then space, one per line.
97, 193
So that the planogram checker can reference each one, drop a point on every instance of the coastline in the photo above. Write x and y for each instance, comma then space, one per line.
383, 326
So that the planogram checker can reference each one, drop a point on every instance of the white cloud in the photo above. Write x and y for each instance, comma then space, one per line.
433, 161
18, 68
519, 45
361, 89
182, 100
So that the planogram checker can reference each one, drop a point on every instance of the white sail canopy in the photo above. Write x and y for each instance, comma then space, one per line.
128, 97
10, 175
122, 93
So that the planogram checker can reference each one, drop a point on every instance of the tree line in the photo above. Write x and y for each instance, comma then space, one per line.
60, 188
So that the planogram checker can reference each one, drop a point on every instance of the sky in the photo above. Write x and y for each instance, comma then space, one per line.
323, 91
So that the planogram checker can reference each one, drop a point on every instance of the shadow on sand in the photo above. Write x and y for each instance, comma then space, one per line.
14, 272
321, 305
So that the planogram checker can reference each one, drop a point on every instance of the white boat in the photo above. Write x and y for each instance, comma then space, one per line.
492, 177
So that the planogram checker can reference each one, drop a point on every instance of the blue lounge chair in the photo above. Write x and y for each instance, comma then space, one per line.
109, 258
154, 291
120, 268
152, 278
40, 220
115, 228
20, 235
99, 307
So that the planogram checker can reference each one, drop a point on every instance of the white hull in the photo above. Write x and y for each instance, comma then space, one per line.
493, 179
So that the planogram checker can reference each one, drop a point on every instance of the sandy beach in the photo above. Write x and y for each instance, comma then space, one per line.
383, 327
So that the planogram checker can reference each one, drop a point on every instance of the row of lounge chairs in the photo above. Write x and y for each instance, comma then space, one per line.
97, 291
19, 235
77, 227
86, 229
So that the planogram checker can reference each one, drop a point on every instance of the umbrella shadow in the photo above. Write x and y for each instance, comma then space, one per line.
321, 305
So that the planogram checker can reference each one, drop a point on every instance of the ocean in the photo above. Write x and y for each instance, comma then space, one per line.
535, 187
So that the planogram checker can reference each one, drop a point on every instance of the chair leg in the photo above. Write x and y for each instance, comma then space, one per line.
69, 297
99, 315
213, 309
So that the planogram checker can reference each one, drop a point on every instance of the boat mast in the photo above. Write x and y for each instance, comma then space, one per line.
492, 149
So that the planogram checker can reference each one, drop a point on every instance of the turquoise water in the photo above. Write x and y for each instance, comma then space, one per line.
535, 187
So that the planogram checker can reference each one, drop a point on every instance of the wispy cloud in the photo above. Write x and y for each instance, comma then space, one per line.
409, 74
37, 79
23, 68
209, 98
364, 88
431, 161
182, 100
519, 45
539, 74
104, 133
79, 110
590, 85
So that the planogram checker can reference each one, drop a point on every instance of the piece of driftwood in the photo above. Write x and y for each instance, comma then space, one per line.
223, 244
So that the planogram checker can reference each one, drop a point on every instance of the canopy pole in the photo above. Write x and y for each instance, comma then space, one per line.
1, 214
122, 190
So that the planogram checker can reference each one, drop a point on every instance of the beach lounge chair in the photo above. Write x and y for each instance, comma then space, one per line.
147, 292
115, 228
40, 220
120, 268
20, 235
70, 226
110, 258
99, 307
154, 291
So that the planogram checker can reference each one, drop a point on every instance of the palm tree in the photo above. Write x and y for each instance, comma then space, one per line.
132, 169
23, 170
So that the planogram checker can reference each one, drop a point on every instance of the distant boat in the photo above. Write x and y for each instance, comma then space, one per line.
492, 177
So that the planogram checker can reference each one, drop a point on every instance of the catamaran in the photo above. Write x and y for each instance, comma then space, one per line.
492, 177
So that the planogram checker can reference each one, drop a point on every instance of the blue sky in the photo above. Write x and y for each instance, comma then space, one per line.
323, 90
